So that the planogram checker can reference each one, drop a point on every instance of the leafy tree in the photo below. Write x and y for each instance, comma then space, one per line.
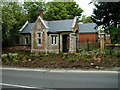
86, 19
107, 14
62, 10
33, 10
115, 34
13, 18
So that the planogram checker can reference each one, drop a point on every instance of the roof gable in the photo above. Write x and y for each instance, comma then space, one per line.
27, 28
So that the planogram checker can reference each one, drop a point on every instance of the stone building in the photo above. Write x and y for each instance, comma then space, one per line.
51, 36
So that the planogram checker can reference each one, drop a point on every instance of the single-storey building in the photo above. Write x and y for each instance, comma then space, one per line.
51, 36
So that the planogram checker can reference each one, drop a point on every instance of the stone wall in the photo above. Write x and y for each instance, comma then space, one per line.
112, 46
38, 28
22, 39
53, 48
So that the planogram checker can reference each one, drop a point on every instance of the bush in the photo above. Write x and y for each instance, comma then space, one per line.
16, 61
13, 55
24, 60
7, 60
45, 59
4, 56
61, 54
71, 59
52, 54
52, 63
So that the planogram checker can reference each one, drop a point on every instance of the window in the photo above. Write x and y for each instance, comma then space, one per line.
54, 40
26, 40
39, 38
39, 26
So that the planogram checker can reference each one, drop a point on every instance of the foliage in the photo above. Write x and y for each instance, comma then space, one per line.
16, 61
114, 34
106, 13
33, 10
24, 60
4, 55
61, 54
52, 63
86, 19
13, 55
71, 59
62, 11
45, 59
13, 18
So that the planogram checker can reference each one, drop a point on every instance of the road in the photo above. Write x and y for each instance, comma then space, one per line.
44, 80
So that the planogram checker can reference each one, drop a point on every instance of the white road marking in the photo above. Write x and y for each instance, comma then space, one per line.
16, 85
59, 71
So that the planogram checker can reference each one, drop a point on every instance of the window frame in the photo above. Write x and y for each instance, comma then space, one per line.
39, 25
39, 38
26, 41
53, 39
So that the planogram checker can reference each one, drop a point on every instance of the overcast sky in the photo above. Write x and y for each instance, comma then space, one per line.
88, 9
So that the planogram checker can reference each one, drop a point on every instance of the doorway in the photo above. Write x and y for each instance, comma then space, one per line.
65, 42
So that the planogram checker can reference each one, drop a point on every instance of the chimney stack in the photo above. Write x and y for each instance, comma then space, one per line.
41, 12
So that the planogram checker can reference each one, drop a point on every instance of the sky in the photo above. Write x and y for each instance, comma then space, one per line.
88, 9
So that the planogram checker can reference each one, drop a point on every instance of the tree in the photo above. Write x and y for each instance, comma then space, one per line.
33, 10
107, 14
86, 19
62, 10
13, 18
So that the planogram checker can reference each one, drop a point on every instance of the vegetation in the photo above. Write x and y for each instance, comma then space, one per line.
15, 14
107, 14
85, 59
86, 19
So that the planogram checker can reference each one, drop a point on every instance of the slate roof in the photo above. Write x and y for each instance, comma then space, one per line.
87, 28
27, 28
54, 26
60, 25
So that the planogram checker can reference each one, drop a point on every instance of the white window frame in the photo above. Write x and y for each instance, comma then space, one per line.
53, 39
26, 43
39, 37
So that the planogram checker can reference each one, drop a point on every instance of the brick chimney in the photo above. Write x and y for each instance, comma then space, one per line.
41, 12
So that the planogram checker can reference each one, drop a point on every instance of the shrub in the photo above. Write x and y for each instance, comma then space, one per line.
16, 61
52, 55
7, 60
47, 54
13, 55
24, 60
71, 59
116, 53
82, 58
77, 54
52, 63
4, 56
32, 55
61, 54
40, 54
45, 59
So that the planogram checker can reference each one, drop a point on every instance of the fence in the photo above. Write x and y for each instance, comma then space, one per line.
89, 44
112, 46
